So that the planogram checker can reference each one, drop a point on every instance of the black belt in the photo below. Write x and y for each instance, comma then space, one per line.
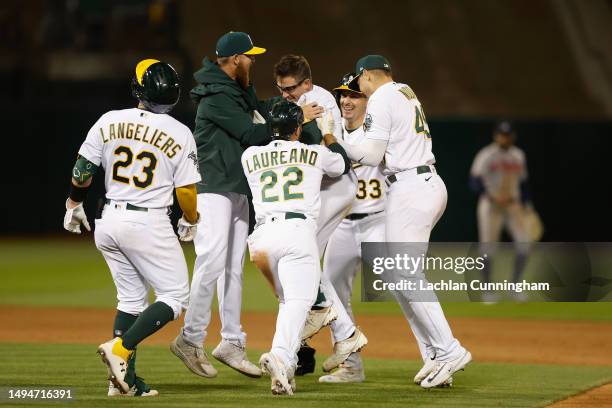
292, 215
360, 216
129, 206
419, 170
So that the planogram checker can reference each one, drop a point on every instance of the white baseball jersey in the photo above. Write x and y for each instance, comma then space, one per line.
395, 114
501, 170
325, 99
286, 176
144, 154
370, 180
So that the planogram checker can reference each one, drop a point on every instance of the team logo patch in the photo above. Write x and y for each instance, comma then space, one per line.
194, 157
367, 123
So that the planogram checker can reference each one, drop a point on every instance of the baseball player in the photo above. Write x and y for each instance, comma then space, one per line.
396, 131
365, 223
285, 179
499, 177
294, 82
229, 117
146, 154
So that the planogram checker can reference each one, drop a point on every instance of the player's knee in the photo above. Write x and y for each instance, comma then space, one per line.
177, 300
132, 306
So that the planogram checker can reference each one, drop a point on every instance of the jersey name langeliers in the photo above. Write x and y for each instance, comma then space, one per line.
370, 197
145, 156
395, 114
286, 176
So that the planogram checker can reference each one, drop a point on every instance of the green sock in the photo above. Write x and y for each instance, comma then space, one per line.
151, 320
123, 322
320, 299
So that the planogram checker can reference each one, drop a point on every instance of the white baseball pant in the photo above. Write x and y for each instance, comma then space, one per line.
287, 248
343, 259
142, 252
414, 204
337, 196
220, 243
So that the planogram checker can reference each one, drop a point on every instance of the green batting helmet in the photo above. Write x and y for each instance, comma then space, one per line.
285, 118
156, 85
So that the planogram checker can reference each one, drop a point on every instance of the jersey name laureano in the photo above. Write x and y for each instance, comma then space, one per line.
141, 133
269, 159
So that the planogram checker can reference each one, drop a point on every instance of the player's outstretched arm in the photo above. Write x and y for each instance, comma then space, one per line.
82, 174
188, 201
369, 153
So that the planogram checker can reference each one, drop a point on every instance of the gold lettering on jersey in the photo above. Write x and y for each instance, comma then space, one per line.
129, 131
159, 138
142, 133
167, 144
137, 132
407, 92
174, 151
144, 137
267, 159
121, 130
256, 164
104, 138
273, 159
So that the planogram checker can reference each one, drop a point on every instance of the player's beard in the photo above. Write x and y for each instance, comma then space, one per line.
243, 75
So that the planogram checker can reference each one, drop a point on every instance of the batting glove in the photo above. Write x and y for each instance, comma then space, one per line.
74, 218
326, 123
186, 230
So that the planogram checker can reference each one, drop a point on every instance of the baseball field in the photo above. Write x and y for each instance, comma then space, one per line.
57, 300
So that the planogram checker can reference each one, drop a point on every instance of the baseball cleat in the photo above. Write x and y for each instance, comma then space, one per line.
306, 360
316, 320
279, 380
443, 370
193, 357
235, 357
344, 348
135, 391
426, 369
116, 357
344, 374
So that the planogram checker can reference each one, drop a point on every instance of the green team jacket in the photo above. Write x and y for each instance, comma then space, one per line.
224, 128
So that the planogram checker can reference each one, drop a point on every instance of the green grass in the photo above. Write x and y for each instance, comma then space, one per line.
71, 272
388, 382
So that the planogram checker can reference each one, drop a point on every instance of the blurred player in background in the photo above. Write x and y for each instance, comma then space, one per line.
499, 177
366, 221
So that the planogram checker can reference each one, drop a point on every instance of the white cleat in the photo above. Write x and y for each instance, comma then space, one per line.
235, 357
344, 374
443, 370
316, 320
193, 357
426, 369
344, 348
280, 383
114, 355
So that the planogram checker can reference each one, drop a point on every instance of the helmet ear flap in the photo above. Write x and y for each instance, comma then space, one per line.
136, 89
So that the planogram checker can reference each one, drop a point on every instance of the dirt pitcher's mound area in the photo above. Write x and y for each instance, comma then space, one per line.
489, 340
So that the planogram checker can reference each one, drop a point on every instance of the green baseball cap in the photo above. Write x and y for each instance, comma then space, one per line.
236, 42
372, 62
